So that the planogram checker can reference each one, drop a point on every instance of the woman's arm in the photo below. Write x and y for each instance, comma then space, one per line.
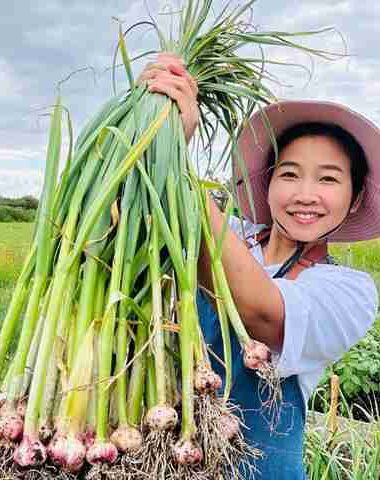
257, 297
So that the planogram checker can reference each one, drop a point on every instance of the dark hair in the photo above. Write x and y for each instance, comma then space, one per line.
349, 145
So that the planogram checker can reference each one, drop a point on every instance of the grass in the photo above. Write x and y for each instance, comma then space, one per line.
15, 241
352, 452
360, 255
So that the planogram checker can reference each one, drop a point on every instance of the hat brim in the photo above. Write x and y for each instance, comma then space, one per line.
255, 144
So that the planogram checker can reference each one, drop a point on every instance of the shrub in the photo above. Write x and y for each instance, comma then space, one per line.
16, 214
359, 373
27, 201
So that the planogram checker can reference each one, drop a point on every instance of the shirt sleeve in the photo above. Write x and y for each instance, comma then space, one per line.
245, 230
327, 310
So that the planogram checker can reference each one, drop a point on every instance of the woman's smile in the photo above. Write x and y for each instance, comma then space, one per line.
305, 217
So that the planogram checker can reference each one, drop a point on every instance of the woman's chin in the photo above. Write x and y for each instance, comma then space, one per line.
305, 233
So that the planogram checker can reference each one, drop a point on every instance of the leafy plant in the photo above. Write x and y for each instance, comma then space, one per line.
16, 214
358, 371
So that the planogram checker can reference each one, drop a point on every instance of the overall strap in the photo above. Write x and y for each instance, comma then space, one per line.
316, 254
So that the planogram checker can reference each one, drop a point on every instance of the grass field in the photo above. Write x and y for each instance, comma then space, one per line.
361, 255
15, 241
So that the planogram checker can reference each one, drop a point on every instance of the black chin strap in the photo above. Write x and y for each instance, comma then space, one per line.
293, 259
325, 235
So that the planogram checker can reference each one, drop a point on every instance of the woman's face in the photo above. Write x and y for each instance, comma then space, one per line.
310, 190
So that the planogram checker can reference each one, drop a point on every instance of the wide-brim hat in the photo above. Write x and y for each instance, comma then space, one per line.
255, 144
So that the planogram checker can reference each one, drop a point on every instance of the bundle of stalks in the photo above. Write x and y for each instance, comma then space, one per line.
111, 374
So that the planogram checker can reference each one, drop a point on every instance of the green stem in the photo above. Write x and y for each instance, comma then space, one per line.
158, 333
123, 339
46, 345
108, 327
225, 293
86, 301
44, 239
98, 315
174, 249
66, 316
33, 350
187, 312
225, 329
48, 399
137, 378
151, 390
218, 271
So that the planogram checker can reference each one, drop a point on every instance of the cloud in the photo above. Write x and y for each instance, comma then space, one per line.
17, 183
11, 84
42, 42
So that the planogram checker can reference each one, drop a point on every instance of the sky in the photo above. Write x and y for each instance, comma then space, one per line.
42, 43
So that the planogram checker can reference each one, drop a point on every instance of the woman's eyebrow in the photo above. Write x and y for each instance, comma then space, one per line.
325, 166
288, 163
331, 167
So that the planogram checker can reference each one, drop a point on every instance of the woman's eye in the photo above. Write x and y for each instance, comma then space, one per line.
288, 175
328, 179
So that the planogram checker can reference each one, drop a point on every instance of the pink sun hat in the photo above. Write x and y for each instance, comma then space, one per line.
255, 144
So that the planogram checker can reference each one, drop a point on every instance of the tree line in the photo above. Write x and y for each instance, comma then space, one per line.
21, 209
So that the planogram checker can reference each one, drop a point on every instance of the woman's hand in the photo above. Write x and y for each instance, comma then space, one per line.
168, 76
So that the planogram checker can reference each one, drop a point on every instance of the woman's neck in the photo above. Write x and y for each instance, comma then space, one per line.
279, 248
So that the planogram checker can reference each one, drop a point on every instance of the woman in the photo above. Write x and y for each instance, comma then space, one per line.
322, 186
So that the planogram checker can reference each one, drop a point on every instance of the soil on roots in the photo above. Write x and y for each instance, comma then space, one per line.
156, 457
9, 470
158, 462
224, 458
126, 468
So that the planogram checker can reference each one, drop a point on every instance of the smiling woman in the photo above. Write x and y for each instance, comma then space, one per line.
316, 181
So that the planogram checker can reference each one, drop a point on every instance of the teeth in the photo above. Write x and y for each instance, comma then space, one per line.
306, 216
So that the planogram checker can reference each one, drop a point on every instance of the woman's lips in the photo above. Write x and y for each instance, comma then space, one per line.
305, 218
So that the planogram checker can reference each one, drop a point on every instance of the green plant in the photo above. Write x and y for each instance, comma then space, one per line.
16, 214
359, 374
27, 201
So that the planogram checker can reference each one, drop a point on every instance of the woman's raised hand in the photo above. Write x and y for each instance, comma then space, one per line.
168, 75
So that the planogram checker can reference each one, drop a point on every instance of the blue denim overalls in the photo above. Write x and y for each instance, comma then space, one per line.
282, 445
282, 448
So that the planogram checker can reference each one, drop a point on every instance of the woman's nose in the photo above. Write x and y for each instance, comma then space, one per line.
307, 193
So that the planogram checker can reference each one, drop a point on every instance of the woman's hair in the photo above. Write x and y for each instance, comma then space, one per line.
348, 144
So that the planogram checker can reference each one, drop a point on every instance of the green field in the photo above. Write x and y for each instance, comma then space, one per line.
361, 255
15, 241
14, 245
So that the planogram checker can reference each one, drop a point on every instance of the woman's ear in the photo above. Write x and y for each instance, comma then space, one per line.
358, 201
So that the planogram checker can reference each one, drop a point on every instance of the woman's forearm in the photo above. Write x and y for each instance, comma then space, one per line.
256, 296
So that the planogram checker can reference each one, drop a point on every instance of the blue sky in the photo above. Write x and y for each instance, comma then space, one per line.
43, 42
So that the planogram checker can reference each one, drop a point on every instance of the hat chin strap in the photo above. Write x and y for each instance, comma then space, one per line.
293, 259
285, 230
322, 237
